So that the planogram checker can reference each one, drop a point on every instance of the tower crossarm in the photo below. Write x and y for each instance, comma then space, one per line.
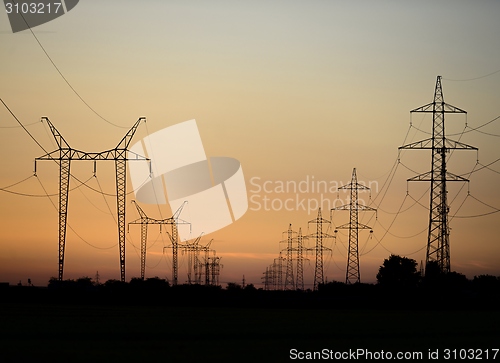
351, 186
313, 249
61, 143
422, 144
457, 145
359, 226
431, 107
65, 151
359, 207
428, 177
448, 145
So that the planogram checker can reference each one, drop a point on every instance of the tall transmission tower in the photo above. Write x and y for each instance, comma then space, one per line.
438, 243
319, 248
352, 272
64, 155
144, 221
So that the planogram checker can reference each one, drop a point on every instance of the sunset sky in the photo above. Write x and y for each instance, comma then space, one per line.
297, 91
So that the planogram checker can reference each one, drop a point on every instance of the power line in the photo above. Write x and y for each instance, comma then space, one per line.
485, 124
70, 227
15, 127
487, 167
65, 79
478, 215
38, 195
385, 234
470, 129
19, 182
4, 189
486, 204
21, 124
484, 133
410, 207
472, 79
496, 210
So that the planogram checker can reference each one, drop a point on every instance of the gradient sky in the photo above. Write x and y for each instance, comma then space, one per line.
292, 89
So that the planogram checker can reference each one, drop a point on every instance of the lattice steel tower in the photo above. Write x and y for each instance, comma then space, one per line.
438, 244
144, 220
319, 248
289, 280
352, 272
64, 155
300, 260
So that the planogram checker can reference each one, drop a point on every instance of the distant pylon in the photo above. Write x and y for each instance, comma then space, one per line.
289, 280
319, 248
300, 260
438, 244
278, 272
266, 279
352, 271
144, 220
205, 265
192, 251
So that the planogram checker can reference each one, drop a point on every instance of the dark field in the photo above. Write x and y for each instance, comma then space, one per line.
90, 333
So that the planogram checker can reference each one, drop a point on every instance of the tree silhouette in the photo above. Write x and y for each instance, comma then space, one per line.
398, 272
233, 286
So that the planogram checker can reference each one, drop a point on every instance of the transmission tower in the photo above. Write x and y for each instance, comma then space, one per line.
212, 270
192, 251
205, 264
352, 271
278, 272
64, 155
144, 220
266, 278
197, 265
300, 260
319, 248
289, 281
438, 244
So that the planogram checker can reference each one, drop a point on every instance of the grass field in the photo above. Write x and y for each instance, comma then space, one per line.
90, 333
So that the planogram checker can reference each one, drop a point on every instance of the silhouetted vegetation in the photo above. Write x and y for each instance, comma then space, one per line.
398, 273
174, 317
399, 285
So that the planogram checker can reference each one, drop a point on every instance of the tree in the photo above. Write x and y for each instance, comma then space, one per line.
233, 286
486, 285
250, 287
398, 272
